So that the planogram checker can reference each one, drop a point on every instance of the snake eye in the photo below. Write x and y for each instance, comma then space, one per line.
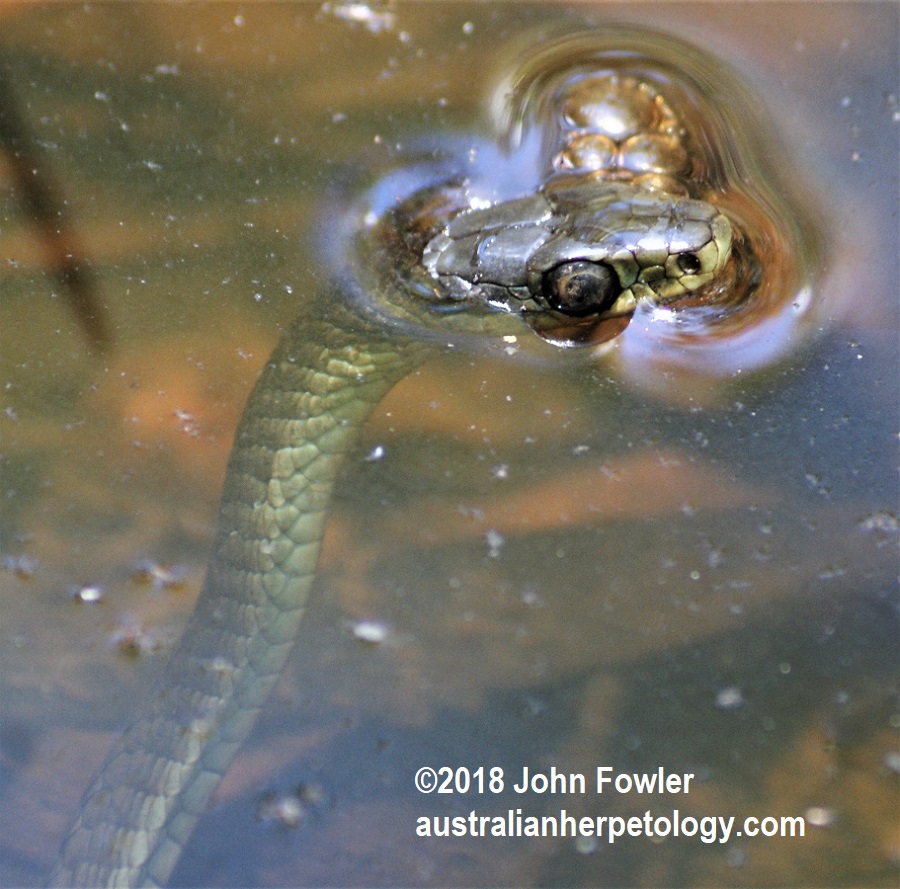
689, 263
581, 288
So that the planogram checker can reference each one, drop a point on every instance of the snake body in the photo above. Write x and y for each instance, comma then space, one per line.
613, 220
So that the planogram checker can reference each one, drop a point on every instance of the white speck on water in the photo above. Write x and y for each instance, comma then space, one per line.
377, 453
289, 809
286, 810
161, 577
817, 483
881, 521
819, 816
134, 640
186, 422
90, 594
729, 698
22, 566
374, 17
892, 760
830, 572
495, 541
219, 665
373, 632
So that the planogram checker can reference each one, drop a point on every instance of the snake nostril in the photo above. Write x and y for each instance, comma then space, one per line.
689, 263
581, 288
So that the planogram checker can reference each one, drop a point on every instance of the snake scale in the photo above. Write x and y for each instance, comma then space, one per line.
619, 215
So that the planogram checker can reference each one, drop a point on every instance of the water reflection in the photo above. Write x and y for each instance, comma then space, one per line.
690, 127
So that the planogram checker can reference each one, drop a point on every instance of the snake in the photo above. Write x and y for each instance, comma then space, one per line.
618, 216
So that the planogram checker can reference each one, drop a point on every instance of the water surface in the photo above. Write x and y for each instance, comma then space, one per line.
573, 567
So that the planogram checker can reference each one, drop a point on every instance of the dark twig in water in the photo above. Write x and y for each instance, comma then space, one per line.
39, 195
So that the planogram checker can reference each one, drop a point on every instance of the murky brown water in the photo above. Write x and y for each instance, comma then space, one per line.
573, 569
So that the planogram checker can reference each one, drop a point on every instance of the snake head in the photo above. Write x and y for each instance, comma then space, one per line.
579, 252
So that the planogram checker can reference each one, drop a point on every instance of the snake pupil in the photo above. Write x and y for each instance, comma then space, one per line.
689, 263
581, 288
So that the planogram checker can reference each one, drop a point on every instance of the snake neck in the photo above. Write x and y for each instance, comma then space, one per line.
325, 377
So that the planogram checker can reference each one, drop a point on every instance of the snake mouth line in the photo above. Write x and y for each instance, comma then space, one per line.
506, 258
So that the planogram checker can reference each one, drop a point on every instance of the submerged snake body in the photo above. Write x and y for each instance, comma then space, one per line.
614, 220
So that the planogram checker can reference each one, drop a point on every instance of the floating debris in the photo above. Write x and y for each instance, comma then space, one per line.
892, 761
133, 640
377, 453
495, 541
89, 595
818, 484
375, 17
885, 522
22, 566
532, 598
372, 632
819, 816
221, 666
729, 698
186, 422
286, 810
289, 809
160, 576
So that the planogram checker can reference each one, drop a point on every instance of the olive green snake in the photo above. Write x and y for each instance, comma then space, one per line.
614, 220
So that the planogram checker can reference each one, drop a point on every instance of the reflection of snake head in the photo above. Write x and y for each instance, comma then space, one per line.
581, 247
